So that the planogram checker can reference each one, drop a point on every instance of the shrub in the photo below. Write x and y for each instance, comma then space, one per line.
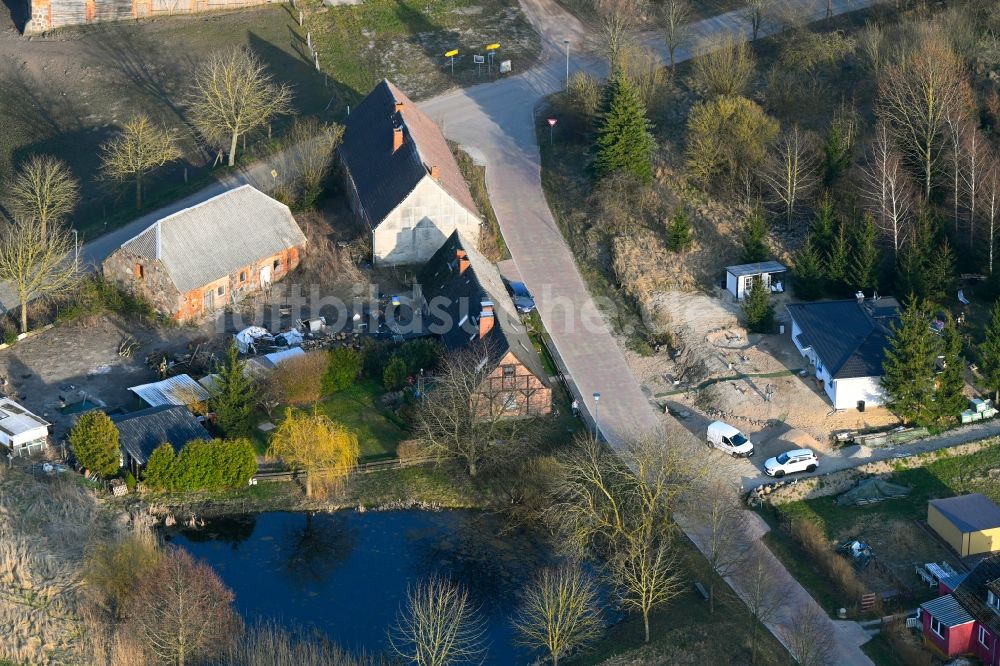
96, 296
94, 440
679, 231
299, 380
835, 567
727, 137
342, 371
202, 465
395, 373
130, 481
419, 355
374, 357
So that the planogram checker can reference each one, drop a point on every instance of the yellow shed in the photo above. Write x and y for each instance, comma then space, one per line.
969, 523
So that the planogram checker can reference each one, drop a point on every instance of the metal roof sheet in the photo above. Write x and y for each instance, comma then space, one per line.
274, 358
969, 513
947, 611
217, 237
180, 390
141, 432
757, 268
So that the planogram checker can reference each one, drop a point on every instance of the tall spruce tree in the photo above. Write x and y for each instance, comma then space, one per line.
989, 354
754, 237
838, 261
757, 309
235, 395
624, 141
949, 397
679, 231
825, 225
909, 366
864, 262
809, 276
939, 273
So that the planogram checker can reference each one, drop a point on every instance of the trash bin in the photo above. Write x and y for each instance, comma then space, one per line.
861, 405
781, 329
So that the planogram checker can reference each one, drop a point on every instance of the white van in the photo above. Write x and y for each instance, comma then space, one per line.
726, 438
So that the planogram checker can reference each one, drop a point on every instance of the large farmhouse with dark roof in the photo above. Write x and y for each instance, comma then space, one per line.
209, 255
402, 179
845, 342
467, 306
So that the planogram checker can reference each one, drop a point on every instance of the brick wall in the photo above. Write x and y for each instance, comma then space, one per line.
153, 282
50, 14
514, 390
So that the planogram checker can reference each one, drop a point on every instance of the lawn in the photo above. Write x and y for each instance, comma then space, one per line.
405, 40
358, 408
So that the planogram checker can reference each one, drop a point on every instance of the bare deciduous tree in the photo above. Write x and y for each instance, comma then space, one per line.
676, 19
975, 163
991, 205
724, 66
181, 611
438, 625
36, 263
140, 147
915, 98
887, 189
233, 95
644, 568
715, 506
307, 160
465, 414
617, 32
763, 592
756, 11
871, 43
560, 612
957, 124
792, 170
810, 637
43, 189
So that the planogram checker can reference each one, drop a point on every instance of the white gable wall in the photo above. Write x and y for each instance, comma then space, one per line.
845, 393
415, 230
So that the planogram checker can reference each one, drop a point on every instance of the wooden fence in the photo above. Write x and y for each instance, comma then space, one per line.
363, 468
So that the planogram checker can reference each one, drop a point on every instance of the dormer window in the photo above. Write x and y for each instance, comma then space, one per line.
993, 600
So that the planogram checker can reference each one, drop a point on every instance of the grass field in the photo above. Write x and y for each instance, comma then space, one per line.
379, 431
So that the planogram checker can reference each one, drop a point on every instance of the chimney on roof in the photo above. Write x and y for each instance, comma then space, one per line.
434, 172
397, 138
860, 295
463, 260
399, 107
486, 318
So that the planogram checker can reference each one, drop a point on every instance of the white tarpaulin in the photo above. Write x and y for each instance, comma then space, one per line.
247, 339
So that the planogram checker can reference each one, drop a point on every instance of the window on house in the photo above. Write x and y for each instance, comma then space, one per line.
509, 402
243, 276
277, 264
509, 371
140, 272
993, 600
937, 627
983, 637
222, 290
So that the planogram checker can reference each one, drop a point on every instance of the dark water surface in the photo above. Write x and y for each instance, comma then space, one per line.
346, 573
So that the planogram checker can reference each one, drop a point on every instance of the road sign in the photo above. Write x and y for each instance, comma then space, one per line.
552, 122
478, 59
451, 54
493, 47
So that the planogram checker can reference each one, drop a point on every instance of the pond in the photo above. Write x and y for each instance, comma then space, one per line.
346, 573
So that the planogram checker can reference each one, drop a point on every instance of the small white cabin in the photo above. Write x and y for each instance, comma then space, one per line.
741, 279
21, 432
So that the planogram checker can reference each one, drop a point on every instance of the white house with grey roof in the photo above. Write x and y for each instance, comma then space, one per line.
844, 342
402, 180
210, 255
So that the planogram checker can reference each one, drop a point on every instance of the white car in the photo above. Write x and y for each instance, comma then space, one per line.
789, 462
726, 438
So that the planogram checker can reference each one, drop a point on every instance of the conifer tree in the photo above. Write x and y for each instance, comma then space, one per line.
234, 396
909, 366
864, 255
757, 309
754, 235
939, 274
838, 260
624, 141
949, 398
94, 440
809, 276
989, 354
679, 231
824, 226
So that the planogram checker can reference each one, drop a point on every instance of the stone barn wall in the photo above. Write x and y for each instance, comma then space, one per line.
50, 14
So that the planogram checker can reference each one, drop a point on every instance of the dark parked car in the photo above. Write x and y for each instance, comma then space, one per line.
522, 298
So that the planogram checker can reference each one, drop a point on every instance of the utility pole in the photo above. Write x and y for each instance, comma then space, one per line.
566, 42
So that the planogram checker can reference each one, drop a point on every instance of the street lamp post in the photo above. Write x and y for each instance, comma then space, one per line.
76, 246
566, 42
597, 401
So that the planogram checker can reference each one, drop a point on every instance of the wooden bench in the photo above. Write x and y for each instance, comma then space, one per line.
701, 590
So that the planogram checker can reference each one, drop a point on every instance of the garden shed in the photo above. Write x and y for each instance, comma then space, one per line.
741, 279
969, 523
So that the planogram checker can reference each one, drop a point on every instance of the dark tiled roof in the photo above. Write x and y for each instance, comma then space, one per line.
756, 269
849, 341
141, 432
385, 178
462, 296
971, 593
969, 513
947, 611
